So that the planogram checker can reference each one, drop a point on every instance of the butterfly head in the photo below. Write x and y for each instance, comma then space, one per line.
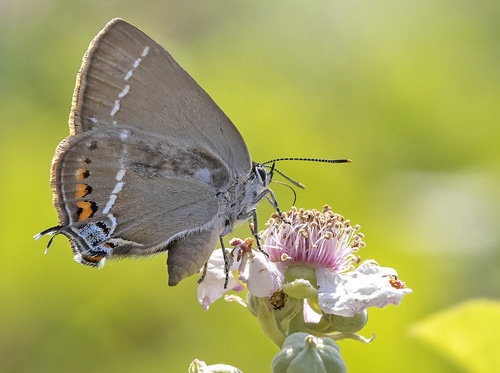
262, 175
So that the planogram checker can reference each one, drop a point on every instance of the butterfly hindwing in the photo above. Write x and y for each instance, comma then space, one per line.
122, 192
187, 255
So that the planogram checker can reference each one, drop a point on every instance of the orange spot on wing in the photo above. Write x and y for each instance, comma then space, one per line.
86, 209
82, 173
82, 190
94, 259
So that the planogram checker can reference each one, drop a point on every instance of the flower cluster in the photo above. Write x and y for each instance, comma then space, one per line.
312, 282
318, 248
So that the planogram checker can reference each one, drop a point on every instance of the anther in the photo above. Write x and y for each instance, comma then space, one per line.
284, 257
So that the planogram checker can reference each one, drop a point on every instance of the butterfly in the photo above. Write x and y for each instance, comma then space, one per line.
151, 163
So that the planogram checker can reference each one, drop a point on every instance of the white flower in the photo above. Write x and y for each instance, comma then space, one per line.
322, 244
369, 285
261, 276
328, 244
212, 286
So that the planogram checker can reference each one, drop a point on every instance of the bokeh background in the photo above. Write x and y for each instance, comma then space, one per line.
409, 90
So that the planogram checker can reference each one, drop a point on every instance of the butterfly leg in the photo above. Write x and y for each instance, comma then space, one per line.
255, 232
224, 254
269, 195
205, 267
252, 214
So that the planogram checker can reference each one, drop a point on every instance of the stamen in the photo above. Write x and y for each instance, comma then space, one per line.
315, 237
284, 257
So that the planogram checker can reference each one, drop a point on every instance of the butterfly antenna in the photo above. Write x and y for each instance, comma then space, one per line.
296, 183
309, 160
293, 190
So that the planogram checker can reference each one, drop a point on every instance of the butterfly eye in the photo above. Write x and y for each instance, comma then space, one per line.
262, 173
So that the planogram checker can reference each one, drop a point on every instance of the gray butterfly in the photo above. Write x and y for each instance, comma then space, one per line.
151, 163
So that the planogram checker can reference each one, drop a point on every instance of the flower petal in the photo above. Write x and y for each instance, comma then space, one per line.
347, 294
261, 275
309, 314
212, 286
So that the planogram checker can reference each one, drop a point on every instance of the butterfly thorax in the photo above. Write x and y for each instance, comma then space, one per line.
237, 203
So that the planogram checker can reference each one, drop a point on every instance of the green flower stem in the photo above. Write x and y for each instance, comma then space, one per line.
265, 315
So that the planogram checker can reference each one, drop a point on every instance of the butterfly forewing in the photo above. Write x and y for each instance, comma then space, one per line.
128, 79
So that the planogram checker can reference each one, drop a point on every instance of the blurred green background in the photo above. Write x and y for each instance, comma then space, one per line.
409, 90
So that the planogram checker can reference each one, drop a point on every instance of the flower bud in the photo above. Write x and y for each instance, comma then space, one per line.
198, 366
302, 352
351, 324
348, 325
